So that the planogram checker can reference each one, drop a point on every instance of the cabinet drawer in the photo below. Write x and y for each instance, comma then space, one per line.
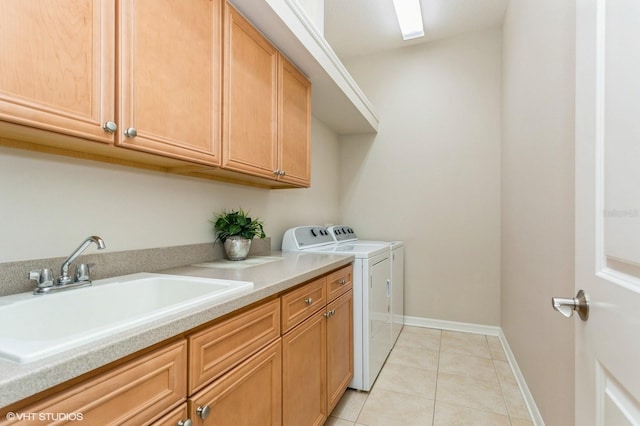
299, 304
339, 282
215, 350
135, 393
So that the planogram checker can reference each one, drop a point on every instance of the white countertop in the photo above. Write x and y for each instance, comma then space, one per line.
18, 381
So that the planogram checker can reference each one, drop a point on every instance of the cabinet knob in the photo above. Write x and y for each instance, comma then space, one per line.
203, 412
131, 132
308, 300
276, 172
342, 281
110, 127
282, 173
330, 313
187, 422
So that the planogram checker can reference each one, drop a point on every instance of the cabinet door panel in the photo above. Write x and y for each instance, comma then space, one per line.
294, 115
304, 366
57, 65
134, 393
250, 394
170, 77
339, 282
250, 98
218, 348
339, 348
301, 303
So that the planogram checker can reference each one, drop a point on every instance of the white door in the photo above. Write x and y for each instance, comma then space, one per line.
608, 211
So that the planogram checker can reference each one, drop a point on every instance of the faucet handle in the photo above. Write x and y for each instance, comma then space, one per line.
42, 278
83, 273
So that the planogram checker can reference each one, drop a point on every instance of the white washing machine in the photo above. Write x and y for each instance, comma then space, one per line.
344, 234
371, 297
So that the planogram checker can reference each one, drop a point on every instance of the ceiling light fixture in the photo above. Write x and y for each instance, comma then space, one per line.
410, 18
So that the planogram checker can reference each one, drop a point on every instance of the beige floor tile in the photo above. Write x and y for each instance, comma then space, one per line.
455, 415
334, 421
465, 344
495, 347
504, 372
515, 403
350, 405
420, 337
519, 422
409, 380
470, 392
387, 408
469, 366
414, 357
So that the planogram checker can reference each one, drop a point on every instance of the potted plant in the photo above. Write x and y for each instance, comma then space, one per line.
236, 230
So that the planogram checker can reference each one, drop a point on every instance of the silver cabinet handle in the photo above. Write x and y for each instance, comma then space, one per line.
203, 412
110, 127
342, 281
330, 313
276, 172
131, 132
282, 173
187, 422
308, 300
566, 306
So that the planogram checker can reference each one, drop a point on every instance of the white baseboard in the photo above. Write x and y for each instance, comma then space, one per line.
491, 331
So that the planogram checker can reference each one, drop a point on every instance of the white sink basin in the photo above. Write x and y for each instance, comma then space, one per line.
35, 327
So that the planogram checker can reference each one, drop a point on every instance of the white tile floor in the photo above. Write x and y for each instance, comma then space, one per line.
438, 378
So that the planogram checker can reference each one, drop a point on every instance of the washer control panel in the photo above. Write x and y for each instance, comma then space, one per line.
303, 237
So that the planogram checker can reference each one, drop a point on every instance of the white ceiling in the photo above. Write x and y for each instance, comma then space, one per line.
363, 27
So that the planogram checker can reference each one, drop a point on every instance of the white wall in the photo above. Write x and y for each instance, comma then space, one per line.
49, 204
430, 177
538, 198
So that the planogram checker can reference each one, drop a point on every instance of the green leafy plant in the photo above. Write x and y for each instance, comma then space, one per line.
237, 222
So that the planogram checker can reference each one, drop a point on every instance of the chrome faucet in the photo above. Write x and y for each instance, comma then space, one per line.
64, 270
44, 279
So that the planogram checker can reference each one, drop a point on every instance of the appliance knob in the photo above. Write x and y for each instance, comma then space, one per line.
313, 232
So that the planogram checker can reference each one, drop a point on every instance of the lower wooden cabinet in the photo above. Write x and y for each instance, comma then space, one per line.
248, 395
241, 370
317, 360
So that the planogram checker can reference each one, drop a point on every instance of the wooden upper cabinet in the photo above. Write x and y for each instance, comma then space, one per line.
294, 125
170, 65
250, 98
57, 66
266, 107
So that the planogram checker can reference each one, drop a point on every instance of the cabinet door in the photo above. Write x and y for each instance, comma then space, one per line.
170, 78
339, 348
57, 65
250, 99
248, 395
294, 125
304, 366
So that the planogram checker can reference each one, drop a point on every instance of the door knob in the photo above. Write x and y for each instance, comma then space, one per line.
566, 306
